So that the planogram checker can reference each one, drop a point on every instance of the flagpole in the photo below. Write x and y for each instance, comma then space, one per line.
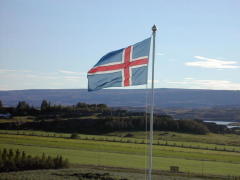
154, 29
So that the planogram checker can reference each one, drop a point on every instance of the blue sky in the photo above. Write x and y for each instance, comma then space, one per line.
53, 43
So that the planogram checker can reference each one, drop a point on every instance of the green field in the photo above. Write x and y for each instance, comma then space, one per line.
228, 142
100, 151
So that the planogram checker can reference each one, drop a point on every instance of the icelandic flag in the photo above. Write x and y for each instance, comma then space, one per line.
124, 67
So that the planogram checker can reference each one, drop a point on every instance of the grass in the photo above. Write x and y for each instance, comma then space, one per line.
129, 155
17, 119
128, 148
167, 139
211, 138
73, 174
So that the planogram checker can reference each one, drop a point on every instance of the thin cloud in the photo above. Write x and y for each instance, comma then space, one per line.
13, 70
207, 84
213, 63
33, 80
4, 88
73, 77
7, 70
33, 76
71, 72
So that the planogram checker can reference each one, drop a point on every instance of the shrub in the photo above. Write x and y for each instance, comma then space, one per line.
128, 135
18, 161
74, 136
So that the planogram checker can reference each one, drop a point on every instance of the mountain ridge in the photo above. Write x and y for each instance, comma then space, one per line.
164, 97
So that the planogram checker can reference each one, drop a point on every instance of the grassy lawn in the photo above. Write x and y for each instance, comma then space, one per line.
130, 155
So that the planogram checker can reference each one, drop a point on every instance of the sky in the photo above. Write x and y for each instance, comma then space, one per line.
51, 44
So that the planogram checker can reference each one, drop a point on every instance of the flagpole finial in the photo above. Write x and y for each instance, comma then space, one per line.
154, 28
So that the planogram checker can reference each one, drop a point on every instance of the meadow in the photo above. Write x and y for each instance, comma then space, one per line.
117, 150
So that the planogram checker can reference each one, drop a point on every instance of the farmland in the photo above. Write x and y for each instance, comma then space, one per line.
130, 153
97, 139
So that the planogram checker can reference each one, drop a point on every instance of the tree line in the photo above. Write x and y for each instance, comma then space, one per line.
111, 124
16, 160
49, 117
47, 108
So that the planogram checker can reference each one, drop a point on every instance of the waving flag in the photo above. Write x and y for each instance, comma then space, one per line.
120, 68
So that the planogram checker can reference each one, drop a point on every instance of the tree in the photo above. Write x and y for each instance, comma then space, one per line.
81, 105
22, 108
22, 105
10, 154
17, 161
17, 154
74, 136
1, 104
45, 106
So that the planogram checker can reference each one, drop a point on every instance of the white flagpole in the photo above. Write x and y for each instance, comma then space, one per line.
154, 29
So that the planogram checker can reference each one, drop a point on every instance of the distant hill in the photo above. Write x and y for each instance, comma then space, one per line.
164, 98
